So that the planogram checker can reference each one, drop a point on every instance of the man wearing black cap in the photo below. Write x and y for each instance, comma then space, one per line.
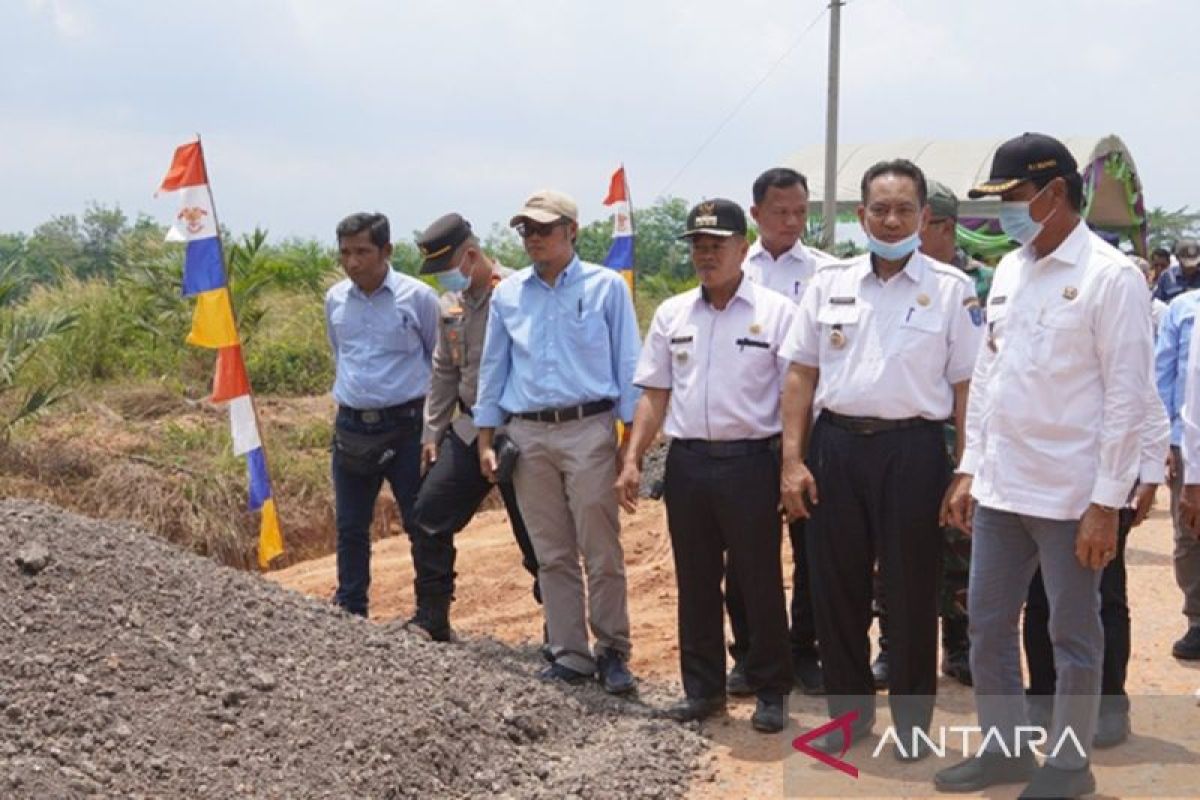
454, 487
711, 368
1181, 277
1053, 432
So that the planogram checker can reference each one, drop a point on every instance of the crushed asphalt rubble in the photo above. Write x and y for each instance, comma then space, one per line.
131, 668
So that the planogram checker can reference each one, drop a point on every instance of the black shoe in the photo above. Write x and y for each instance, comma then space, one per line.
808, 675
770, 715
957, 664
432, 619
736, 684
694, 708
987, 769
564, 674
834, 742
1111, 729
879, 670
1051, 781
613, 674
1188, 648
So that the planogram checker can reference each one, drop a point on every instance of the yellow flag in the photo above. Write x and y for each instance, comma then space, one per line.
270, 540
212, 324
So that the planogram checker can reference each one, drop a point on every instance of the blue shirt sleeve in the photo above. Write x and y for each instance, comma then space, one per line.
494, 366
1166, 360
329, 307
428, 312
626, 345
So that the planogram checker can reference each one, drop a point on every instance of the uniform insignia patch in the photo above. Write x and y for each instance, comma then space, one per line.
837, 339
922, 299
681, 356
756, 328
1070, 293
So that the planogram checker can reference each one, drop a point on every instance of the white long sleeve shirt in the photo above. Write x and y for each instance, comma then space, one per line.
1058, 400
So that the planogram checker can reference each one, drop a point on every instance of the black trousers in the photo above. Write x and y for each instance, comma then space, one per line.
879, 498
450, 494
718, 504
803, 633
1114, 617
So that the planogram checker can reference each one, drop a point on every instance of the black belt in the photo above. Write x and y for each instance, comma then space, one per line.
731, 448
371, 416
567, 414
867, 426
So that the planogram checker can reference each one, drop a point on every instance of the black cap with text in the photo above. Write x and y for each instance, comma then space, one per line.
1030, 156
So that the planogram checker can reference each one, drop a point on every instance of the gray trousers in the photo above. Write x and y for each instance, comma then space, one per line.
1007, 549
1187, 551
564, 481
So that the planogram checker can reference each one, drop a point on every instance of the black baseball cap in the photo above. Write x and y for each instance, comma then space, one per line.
1030, 156
717, 217
438, 242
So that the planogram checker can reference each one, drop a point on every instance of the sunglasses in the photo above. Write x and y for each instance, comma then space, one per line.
527, 229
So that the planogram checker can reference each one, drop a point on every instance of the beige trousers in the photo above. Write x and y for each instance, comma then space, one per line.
564, 482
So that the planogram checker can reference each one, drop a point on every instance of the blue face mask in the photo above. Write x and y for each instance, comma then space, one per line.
452, 280
1018, 224
893, 251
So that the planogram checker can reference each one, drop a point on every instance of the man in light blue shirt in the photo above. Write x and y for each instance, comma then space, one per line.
1171, 364
382, 327
558, 360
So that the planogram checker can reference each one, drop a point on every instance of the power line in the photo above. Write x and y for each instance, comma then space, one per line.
745, 99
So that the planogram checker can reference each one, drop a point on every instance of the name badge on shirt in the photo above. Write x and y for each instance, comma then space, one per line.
843, 301
743, 343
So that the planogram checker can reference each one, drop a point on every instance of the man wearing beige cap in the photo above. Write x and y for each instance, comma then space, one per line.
558, 360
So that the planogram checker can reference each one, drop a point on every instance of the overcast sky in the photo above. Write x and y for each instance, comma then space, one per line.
312, 109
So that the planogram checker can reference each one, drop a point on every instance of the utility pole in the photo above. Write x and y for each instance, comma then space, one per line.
829, 207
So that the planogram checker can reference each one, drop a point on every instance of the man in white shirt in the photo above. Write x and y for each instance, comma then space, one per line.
1056, 408
711, 368
780, 261
882, 348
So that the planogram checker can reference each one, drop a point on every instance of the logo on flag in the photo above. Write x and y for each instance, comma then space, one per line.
620, 253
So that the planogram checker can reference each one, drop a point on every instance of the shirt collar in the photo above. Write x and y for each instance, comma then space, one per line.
564, 278
391, 282
798, 252
1069, 251
914, 270
745, 292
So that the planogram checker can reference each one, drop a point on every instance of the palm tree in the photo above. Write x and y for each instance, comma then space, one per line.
20, 337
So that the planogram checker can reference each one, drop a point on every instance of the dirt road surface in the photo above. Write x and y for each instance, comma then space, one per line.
493, 598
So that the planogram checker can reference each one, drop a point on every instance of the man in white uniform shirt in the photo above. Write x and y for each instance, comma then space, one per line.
1056, 410
711, 367
882, 348
780, 261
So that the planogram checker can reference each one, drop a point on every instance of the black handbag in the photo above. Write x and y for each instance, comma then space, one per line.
367, 453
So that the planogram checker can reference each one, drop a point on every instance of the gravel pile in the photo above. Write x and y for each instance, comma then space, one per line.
129, 668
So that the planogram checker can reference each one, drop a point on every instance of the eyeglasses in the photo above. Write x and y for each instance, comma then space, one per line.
527, 229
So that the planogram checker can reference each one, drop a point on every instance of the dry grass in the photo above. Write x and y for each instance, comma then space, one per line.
142, 452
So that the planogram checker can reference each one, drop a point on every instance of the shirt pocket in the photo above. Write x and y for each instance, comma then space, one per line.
919, 329
839, 328
398, 334
587, 335
1059, 335
681, 346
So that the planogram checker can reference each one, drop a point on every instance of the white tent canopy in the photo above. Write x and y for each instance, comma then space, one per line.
958, 164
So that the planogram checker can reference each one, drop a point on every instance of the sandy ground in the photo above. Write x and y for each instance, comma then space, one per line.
493, 597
